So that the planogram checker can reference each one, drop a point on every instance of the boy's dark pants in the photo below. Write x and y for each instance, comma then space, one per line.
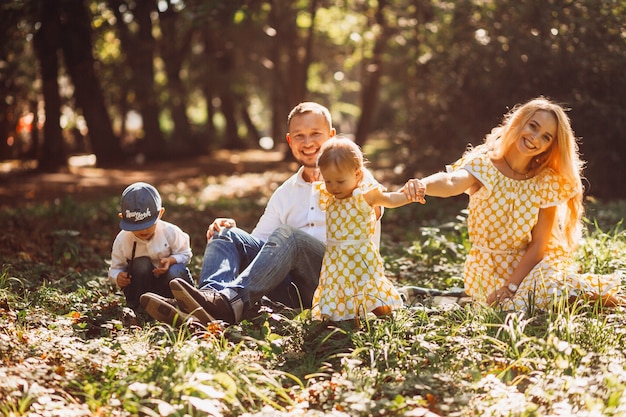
143, 280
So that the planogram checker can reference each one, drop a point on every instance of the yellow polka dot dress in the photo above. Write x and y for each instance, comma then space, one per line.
352, 279
502, 214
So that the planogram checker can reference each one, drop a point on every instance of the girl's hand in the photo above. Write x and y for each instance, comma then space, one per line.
217, 226
123, 279
414, 190
164, 265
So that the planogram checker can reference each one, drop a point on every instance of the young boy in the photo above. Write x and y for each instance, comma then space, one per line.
148, 252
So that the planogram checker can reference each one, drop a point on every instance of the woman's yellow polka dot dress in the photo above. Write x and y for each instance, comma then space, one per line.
502, 214
352, 280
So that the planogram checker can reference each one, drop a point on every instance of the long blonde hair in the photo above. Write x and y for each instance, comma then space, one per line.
562, 156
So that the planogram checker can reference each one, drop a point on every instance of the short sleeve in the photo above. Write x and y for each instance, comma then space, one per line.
555, 190
477, 164
326, 198
368, 183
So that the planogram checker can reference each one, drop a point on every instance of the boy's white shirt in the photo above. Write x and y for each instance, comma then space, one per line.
297, 203
168, 240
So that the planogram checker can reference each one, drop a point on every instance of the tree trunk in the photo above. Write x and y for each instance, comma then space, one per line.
208, 89
77, 51
233, 141
290, 65
226, 66
174, 48
139, 50
52, 157
373, 71
6, 115
253, 132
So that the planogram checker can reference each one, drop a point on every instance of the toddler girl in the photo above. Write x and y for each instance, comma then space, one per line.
352, 280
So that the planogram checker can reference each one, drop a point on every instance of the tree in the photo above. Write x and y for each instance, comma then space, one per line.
290, 53
373, 73
47, 42
481, 58
174, 48
426, 75
134, 25
75, 41
18, 69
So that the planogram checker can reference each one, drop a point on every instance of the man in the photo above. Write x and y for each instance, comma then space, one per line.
281, 258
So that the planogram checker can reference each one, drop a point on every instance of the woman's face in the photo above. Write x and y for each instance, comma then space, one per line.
538, 134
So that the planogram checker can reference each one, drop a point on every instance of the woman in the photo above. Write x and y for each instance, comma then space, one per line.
525, 211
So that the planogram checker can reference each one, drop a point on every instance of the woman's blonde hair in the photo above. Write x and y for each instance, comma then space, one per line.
562, 156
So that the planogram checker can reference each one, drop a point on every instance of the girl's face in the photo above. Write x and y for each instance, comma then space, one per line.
538, 134
339, 181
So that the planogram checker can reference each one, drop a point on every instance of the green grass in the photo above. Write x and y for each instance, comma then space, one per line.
69, 345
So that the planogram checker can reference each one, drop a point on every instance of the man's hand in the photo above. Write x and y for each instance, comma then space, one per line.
217, 226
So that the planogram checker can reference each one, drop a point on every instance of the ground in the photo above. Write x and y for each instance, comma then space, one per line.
18, 184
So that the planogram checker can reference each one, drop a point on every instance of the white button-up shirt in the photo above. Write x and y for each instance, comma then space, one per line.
296, 203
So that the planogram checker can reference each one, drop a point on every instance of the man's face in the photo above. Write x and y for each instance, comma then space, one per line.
307, 134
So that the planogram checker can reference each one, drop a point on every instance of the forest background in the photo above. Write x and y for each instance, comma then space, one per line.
167, 78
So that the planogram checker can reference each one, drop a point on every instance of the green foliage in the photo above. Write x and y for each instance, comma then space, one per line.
428, 76
600, 251
68, 342
434, 258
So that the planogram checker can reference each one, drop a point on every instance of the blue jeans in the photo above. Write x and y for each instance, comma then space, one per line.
285, 268
143, 280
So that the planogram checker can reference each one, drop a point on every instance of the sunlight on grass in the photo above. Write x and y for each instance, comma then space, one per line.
68, 342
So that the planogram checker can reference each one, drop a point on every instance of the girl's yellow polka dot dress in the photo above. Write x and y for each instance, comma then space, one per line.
352, 280
502, 214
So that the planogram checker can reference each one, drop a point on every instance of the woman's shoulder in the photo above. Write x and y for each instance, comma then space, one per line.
554, 187
478, 163
478, 157
550, 178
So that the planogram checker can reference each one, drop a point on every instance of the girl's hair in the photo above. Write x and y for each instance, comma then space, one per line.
310, 107
562, 156
341, 152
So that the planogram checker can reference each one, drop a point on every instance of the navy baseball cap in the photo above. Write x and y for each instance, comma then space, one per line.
141, 204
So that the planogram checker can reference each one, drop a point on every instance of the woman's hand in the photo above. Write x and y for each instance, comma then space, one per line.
499, 296
217, 226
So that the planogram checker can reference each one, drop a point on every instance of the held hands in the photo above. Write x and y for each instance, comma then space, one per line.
415, 191
164, 265
217, 226
123, 279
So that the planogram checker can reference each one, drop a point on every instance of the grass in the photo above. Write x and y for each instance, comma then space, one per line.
69, 345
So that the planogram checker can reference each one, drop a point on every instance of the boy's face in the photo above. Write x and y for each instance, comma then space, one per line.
145, 234
307, 134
